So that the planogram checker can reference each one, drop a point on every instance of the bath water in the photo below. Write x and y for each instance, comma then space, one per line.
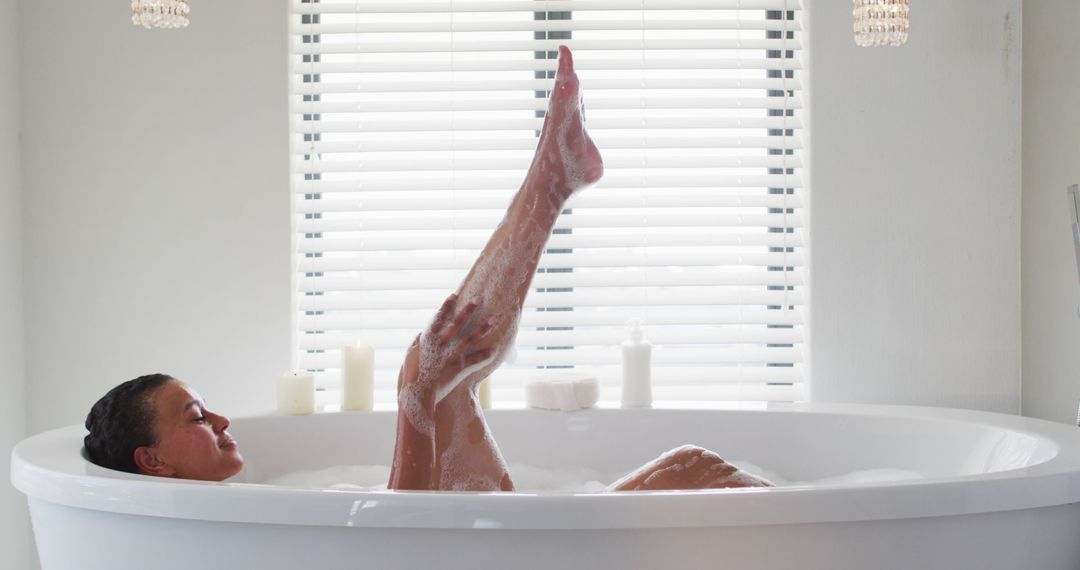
532, 478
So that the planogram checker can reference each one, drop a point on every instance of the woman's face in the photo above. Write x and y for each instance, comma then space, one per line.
191, 441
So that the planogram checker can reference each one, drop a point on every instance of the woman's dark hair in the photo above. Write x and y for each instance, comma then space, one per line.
121, 422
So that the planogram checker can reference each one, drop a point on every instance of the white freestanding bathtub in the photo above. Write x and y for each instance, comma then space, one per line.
1000, 492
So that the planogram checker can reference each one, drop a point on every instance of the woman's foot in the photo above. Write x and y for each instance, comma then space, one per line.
566, 157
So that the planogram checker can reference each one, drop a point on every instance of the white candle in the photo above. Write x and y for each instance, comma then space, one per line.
296, 393
484, 393
357, 377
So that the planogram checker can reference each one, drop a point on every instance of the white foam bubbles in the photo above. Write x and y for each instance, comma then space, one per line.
862, 476
344, 477
530, 478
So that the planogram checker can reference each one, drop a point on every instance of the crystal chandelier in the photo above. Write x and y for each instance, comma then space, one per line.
159, 13
880, 22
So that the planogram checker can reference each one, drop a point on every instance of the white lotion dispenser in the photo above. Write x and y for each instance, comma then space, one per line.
636, 368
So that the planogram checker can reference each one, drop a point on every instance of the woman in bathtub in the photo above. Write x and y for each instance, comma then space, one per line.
443, 442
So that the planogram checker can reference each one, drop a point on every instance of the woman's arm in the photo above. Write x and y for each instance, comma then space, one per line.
687, 467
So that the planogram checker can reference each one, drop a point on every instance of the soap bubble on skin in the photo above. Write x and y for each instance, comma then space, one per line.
411, 403
575, 178
456, 472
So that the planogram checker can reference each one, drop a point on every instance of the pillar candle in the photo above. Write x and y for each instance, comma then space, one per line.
296, 393
484, 393
357, 377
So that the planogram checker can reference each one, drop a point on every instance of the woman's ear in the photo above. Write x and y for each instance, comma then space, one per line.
150, 463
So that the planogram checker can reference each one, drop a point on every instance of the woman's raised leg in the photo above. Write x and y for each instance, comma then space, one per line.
443, 411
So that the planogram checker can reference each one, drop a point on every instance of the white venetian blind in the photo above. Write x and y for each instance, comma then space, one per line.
414, 123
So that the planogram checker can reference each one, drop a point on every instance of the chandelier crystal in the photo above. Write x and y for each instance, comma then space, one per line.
159, 13
880, 22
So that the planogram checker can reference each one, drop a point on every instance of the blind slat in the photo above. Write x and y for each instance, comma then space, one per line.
360, 323
583, 259
599, 103
475, 242
350, 300
508, 25
583, 46
521, 161
519, 85
364, 63
664, 190
404, 125
391, 281
528, 338
589, 356
465, 6
468, 221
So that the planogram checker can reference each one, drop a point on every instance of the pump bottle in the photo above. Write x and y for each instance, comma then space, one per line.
636, 368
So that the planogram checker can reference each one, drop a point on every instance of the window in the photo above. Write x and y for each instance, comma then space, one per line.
414, 123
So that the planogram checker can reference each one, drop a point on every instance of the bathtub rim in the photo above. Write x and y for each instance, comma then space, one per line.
37, 473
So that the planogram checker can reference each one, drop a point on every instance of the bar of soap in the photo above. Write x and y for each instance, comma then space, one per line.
565, 391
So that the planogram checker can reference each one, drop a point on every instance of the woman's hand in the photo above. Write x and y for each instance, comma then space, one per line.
452, 344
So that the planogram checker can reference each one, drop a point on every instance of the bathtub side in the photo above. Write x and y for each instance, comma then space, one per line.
1040, 539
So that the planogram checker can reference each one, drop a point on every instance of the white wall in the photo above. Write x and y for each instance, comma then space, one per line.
156, 194
915, 214
14, 530
1051, 162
